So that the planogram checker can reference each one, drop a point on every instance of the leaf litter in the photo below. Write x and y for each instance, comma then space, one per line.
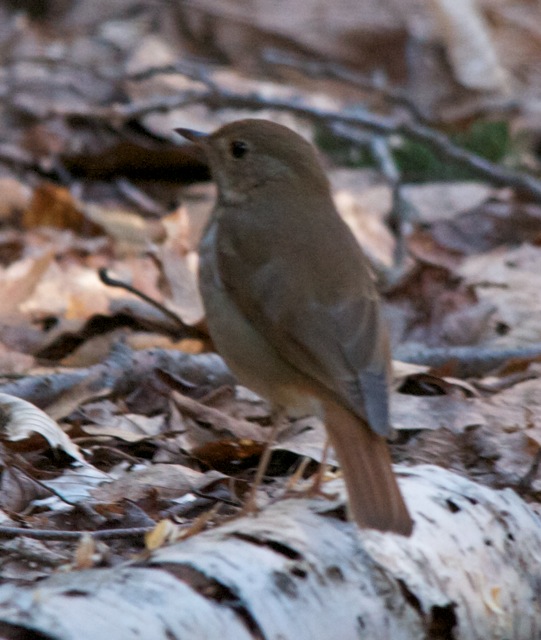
134, 431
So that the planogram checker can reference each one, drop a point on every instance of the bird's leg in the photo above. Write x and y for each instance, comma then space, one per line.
250, 506
298, 474
315, 488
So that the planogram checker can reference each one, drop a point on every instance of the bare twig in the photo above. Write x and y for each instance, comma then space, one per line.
53, 534
114, 115
138, 197
399, 214
193, 71
187, 330
348, 122
332, 70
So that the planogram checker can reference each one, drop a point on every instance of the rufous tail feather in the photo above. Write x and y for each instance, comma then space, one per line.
375, 500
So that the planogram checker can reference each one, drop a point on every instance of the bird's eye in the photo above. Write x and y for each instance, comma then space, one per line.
238, 149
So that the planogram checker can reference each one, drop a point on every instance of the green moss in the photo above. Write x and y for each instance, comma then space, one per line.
417, 162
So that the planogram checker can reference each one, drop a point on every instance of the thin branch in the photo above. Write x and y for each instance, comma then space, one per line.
323, 69
114, 115
192, 70
187, 330
346, 122
436, 141
138, 197
53, 534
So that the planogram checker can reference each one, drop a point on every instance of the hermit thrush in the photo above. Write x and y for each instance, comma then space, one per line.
292, 307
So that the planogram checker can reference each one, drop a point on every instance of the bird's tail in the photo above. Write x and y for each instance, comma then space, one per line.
375, 500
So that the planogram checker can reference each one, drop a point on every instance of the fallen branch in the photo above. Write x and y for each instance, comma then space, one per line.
469, 361
122, 372
55, 534
344, 123
298, 571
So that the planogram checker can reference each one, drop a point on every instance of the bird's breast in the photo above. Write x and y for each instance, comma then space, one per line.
254, 361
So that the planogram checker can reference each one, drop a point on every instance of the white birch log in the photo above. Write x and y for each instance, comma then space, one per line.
471, 570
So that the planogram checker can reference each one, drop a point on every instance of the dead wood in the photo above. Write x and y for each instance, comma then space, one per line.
299, 571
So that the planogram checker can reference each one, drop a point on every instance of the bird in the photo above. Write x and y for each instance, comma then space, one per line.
292, 306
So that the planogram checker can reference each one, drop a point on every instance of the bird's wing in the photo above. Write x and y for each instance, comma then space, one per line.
316, 305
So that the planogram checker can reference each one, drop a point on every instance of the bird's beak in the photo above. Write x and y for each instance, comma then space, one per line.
191, 135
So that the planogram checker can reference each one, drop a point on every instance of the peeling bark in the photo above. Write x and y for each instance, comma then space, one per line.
298, 570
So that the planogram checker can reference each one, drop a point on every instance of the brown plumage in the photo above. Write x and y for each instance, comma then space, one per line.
292, 307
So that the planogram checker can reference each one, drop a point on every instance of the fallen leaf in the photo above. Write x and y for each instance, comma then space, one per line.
169, 480
75, 485
470, 45
179, 268
14, 196
510, 280
437, 201
127, 427
364, 207
488, 226
54, 206
435, 412
21, 420
19, 281
18, 489
164, 531
129, 229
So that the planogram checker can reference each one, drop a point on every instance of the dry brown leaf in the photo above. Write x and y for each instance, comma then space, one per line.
510, 280
444, 200
21, 420
435, 412
347, 31
221, 454
131, 231
179, 263
19, 281
470, 45
488, 226
515, 409
85, 552
73, 291
140, 341
94, 350
209, 424
305, 437
402, 371
18, 490
154, 51
164, 532
127, 427
169, 480
54, 206
14, 362
91, 387
197, 201
75, 485
14, 196
423, 246
364, 211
